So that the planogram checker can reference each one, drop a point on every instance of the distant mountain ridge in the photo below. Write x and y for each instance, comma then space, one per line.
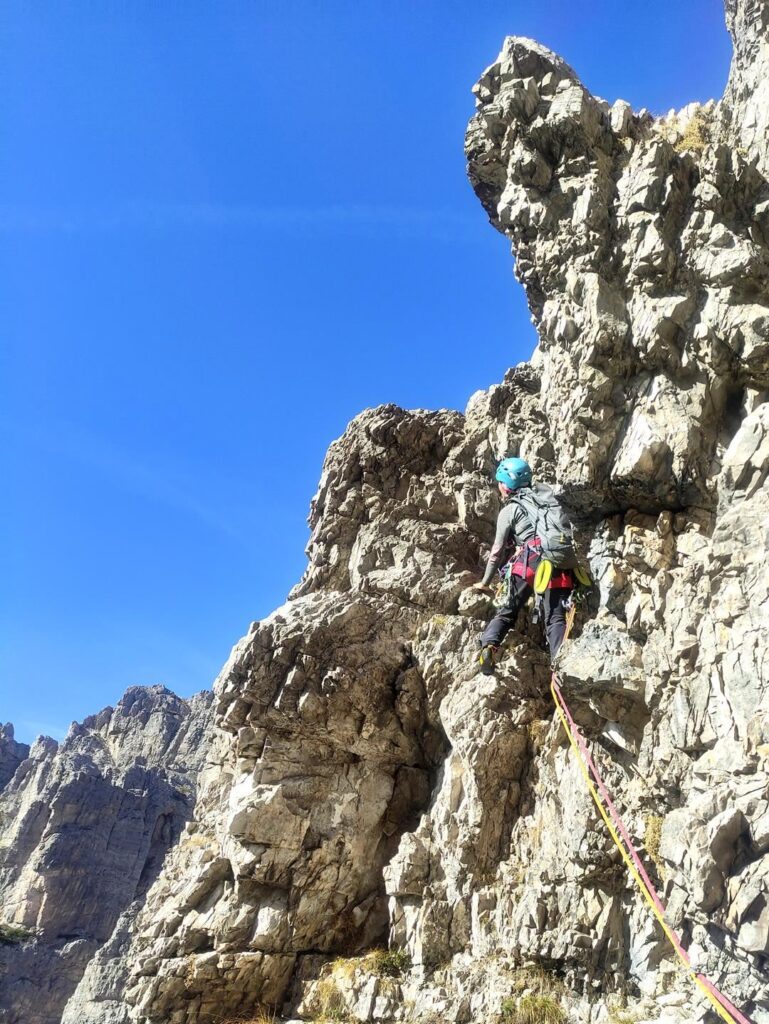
85, 826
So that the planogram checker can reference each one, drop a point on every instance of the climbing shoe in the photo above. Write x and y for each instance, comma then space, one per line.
487, 659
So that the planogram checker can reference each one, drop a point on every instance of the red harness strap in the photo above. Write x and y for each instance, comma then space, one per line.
527, 560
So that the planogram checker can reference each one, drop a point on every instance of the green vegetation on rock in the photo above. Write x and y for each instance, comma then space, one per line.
13, 934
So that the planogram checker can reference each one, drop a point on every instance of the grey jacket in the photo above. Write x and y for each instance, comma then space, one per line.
513, 528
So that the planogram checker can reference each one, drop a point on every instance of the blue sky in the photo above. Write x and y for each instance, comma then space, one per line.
226, 229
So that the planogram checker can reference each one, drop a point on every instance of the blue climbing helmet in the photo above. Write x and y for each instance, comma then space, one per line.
514, 473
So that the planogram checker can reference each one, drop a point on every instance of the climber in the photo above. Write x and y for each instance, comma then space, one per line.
517, 543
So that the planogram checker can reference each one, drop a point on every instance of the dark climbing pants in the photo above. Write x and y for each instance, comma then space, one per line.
520, 592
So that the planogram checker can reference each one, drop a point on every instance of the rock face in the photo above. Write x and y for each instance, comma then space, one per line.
364, 785
746, 107
372, 787
11, 754
86, 825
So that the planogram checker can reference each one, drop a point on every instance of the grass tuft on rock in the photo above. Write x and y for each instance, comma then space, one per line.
388, 963
696, 134
330, 1003
14, 934
259, 1017
535, 980
532, 1010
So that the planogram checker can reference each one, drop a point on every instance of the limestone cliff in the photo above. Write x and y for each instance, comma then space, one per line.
85, 827
364, 785
11, 754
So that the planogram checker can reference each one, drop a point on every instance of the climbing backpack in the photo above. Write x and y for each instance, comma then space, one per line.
550, 523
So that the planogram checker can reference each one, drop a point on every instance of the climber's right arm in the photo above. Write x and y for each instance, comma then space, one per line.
500, 545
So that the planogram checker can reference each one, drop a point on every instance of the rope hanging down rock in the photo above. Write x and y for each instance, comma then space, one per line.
619, 833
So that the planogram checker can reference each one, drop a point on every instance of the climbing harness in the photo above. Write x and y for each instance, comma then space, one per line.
543, 578
722, 1005
544, 575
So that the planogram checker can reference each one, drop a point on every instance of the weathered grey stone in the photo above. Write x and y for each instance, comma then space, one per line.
86, 825
11, 754
365, 784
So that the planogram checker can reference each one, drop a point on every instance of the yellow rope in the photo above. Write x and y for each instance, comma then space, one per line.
620, 846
